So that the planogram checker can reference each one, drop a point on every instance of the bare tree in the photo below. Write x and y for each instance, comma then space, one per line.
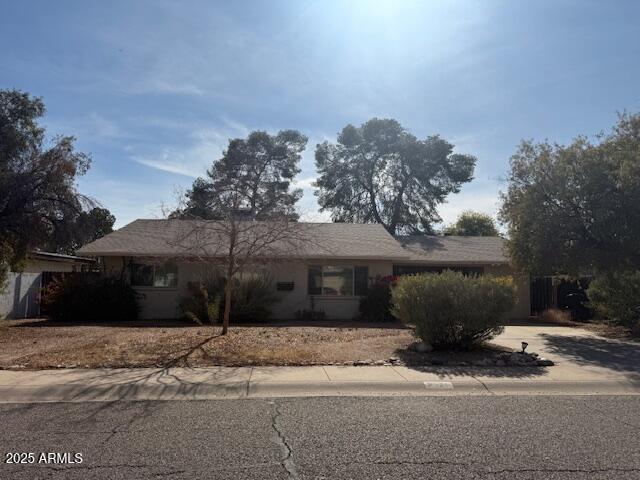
238, 243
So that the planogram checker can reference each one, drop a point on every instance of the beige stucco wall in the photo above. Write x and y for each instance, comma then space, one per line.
160, 303
335, 307
157, 303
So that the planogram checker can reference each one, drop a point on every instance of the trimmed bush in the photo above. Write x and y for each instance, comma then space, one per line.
251, 299
453, 310
375, 306
616, 297
90, 297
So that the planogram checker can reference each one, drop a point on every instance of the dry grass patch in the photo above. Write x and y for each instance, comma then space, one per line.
41, 344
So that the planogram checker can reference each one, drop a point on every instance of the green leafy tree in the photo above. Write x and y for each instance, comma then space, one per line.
616, 296
473, 224
37, 178
252, 180
380, 173
84, 227
576, 209
258, 170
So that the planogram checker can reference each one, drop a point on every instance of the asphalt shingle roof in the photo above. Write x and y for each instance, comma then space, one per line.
328, 240
454, 249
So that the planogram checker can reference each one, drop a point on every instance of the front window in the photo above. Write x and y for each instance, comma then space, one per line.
164, 275
337, 280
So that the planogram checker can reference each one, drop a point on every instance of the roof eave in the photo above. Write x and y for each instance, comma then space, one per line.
294, 257
457, 262
55, 257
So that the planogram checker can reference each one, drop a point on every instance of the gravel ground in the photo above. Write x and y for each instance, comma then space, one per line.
37, 344
42, 344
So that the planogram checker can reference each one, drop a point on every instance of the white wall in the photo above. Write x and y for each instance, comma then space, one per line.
20, 298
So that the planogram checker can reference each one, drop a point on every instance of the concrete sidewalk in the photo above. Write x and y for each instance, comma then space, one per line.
77, 385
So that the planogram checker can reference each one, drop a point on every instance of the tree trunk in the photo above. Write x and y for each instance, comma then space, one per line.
227, 307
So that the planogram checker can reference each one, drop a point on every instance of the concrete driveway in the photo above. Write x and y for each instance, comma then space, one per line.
578, 353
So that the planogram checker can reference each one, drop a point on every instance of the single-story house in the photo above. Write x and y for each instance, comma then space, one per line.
21, 296
329, 273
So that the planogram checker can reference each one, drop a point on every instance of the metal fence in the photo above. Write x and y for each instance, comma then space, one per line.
561, 293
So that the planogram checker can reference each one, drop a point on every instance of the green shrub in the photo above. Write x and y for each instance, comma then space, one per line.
251, 299
453, 310
375, 306
90, 297
617, 297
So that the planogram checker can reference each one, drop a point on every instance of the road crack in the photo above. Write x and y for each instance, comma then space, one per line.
286, 456
557, 470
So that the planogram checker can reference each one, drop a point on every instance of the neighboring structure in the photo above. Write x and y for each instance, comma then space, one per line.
21, 297
330, 273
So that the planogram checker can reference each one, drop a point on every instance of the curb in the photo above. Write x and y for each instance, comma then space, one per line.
292, 389
107, 393
562, 387
236, 390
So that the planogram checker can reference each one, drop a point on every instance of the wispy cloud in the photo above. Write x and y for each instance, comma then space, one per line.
206, 145
93, 126
170, 163
127, 199
170, 87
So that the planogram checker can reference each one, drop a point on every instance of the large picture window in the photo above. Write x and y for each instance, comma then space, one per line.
164, 275
332, 280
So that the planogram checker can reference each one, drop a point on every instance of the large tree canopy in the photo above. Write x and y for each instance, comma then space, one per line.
77, 230
473, 224
576, 209
254, 174
37, 178
380, 173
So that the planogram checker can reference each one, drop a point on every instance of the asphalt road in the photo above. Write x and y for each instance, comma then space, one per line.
514, 437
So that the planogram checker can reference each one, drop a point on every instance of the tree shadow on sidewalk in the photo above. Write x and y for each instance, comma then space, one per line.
618, 356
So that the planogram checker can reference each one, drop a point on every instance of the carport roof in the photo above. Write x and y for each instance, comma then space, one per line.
454, 249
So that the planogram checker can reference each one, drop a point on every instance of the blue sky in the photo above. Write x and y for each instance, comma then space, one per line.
154, 89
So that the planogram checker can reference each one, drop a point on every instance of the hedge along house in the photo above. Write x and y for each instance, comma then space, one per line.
323, 266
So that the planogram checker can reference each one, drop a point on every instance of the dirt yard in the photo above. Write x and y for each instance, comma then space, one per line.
35, 344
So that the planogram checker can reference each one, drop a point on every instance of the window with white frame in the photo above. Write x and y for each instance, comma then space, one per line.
164, 275
334, 280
